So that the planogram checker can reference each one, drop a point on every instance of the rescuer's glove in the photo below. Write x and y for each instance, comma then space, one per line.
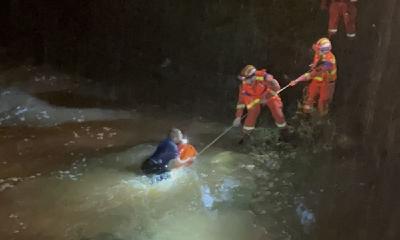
237, 122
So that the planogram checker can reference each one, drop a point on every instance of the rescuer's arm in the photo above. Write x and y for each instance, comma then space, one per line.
320, 68
272, 83
303, 78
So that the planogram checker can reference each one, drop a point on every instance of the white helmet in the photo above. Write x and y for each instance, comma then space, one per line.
324, 45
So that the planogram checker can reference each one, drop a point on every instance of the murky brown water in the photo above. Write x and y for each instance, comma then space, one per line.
79, 181
72, 173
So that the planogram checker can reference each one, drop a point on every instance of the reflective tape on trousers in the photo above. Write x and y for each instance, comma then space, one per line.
240, 106
281, 125
253, 103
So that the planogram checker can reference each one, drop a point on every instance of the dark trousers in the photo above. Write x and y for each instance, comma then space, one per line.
149, 167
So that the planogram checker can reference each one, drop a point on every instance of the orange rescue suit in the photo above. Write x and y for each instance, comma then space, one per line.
253, 93
323, 77
272, 99
250, 95
341, 9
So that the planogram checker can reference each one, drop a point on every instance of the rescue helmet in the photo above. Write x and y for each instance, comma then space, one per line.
175, 135
248, 71
323, 45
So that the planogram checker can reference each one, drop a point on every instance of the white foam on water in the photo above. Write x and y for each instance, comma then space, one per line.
20, 108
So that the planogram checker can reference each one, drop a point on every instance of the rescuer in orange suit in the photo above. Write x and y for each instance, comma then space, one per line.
258, 87
341, 9
271, 98
322, 75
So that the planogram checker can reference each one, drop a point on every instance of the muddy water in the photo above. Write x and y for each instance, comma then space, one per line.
69, 170
81, 181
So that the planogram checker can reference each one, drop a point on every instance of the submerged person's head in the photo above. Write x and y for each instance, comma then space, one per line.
175, 135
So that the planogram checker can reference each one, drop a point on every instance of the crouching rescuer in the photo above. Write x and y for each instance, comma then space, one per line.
258, 88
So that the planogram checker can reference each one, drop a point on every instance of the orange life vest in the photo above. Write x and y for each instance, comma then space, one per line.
330, 75
186, 151
251, 93
270, 86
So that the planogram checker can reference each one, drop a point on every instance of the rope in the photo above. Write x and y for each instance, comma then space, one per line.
219, 136
282, 89
230, 128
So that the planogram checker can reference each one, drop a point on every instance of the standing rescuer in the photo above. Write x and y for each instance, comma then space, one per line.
322, 75
258, 87
341, 9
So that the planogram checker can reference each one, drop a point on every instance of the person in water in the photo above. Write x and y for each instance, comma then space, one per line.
173, 148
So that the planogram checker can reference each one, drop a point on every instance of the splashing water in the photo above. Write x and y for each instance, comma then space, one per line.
110, 202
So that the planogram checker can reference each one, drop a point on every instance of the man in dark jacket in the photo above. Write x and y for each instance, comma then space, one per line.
166, 151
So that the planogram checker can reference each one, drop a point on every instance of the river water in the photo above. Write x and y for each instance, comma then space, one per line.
79, 179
